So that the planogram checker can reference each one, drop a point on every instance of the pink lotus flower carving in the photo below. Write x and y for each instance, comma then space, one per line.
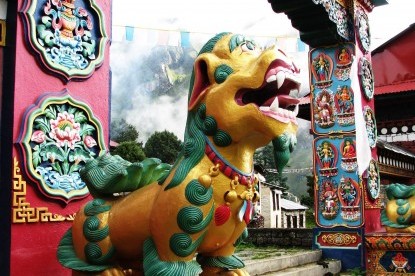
65, 130
89, 141
38, 136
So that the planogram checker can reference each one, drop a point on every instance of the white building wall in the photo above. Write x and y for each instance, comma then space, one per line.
272, 218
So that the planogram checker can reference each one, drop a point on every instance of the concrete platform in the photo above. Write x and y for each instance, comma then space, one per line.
266, 262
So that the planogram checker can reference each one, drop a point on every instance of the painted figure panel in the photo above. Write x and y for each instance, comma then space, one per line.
332, 111
68, 35
344, 106
350, 196
327, 156
338, 14
373, 180
324, 112
371, 128
344, 60
348, 152
58, 137
363, 30
366, 80
337, 190
322, 69
328, 201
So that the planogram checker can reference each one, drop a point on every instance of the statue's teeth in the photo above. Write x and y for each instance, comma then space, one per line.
294, 93
296, 109
275, 104
272, 78
280, 78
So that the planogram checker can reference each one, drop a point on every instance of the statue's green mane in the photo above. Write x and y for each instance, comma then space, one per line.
198, 125
194, 141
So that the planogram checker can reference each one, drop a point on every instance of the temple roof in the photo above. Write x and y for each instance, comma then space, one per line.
291, 205
394, 63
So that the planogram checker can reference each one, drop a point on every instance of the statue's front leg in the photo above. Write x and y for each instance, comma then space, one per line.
179, 223
213, 264
223, 261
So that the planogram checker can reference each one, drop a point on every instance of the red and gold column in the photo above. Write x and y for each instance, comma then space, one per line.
57, 103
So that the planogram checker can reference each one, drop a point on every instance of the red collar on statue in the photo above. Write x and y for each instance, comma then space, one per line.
225, 167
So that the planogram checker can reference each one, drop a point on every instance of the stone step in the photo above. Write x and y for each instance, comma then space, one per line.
313, 269
282, 262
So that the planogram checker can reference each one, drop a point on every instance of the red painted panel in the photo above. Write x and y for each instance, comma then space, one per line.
34, 244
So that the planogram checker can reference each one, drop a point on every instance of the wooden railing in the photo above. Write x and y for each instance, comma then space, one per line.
394, 163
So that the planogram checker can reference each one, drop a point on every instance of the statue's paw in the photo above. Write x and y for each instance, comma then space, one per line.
409, 229
223, 272
114, 271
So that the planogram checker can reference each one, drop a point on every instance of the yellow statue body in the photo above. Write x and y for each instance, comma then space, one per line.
399, 214
238, 102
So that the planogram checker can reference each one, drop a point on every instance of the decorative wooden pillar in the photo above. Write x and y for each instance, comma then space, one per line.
347, 184
346, 173
55, 115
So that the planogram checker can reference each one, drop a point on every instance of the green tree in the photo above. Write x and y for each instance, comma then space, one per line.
130, 151
308, 199
121, 131
163, 145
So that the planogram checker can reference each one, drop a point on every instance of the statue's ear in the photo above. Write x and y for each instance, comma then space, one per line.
203, 75
201, 81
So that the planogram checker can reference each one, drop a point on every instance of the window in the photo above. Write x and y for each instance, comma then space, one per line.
273, 200
278, 201
2, 33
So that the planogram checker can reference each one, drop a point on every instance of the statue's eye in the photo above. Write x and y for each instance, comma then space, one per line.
248, 46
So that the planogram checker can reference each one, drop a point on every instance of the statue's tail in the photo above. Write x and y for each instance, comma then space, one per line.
109, 174
399, 191
98, 249
283, 146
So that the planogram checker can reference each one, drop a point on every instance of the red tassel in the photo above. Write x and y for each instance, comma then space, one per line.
222, 214
248, 213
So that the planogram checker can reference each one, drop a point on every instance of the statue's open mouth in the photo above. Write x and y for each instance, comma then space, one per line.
275, 97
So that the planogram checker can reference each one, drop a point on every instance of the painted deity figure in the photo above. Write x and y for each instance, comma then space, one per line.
344, 99
349, 150
363, 30
348, 191
373, 180
326, 154
344, 57
322, 69
324, 109
370, 127
366, 78
329, 199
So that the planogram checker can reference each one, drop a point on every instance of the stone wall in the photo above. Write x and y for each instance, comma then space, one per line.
280, 237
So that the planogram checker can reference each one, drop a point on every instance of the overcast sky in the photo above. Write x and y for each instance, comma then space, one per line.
249, 17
